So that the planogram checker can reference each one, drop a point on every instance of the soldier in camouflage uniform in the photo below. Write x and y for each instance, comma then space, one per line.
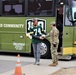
53, 34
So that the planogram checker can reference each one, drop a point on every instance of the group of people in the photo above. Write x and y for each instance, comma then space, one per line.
36, 41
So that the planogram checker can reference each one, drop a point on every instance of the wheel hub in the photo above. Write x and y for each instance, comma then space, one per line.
43, 49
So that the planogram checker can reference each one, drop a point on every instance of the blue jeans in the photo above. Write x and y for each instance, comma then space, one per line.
36, 50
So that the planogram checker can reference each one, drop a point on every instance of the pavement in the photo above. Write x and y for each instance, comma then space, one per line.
30, 69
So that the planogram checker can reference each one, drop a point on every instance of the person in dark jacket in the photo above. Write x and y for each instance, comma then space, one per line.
36, 40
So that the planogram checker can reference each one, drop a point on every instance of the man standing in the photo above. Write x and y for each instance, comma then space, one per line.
54, 34
36, 40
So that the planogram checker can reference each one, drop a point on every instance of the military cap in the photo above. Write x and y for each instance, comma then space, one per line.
52, 23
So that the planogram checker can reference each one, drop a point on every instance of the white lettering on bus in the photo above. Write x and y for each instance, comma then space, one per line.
12, 25
19, 46
1, 25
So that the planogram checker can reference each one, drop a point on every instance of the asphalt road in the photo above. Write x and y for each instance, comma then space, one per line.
8, 62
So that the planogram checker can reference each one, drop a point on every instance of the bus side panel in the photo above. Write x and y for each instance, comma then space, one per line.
12, 42
68, 40
12, 35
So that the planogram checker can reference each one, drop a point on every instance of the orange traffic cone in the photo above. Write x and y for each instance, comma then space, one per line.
18, 69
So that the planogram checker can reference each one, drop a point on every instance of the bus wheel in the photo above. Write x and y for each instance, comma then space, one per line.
44, 49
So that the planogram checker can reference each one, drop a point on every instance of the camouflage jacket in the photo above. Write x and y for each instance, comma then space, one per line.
54, 35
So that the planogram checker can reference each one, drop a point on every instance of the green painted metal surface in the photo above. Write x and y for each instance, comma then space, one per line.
13, 33
68, 36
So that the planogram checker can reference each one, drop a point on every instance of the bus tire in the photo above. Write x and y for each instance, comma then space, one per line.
44, 49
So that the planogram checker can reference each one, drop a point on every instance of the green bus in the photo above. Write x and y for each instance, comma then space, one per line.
13, 29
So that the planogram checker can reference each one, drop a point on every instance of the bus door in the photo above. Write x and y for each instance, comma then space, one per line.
74, 28
59, 25
74, 51
67, 32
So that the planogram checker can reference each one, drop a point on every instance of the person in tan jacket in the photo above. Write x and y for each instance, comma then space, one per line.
54, 40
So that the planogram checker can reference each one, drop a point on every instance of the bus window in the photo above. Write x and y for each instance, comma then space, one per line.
68, 17
12, 7
40, 7
74, 10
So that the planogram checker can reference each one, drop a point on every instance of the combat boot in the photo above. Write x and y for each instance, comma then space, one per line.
53, 64
56, 62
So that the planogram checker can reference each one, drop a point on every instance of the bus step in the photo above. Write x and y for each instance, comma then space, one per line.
64, 57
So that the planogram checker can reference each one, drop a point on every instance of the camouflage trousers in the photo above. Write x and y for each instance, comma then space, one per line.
54, 53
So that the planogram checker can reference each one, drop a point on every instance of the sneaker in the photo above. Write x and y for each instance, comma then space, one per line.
38, 63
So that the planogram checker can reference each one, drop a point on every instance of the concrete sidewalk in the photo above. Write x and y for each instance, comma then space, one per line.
34, 70
42, 69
